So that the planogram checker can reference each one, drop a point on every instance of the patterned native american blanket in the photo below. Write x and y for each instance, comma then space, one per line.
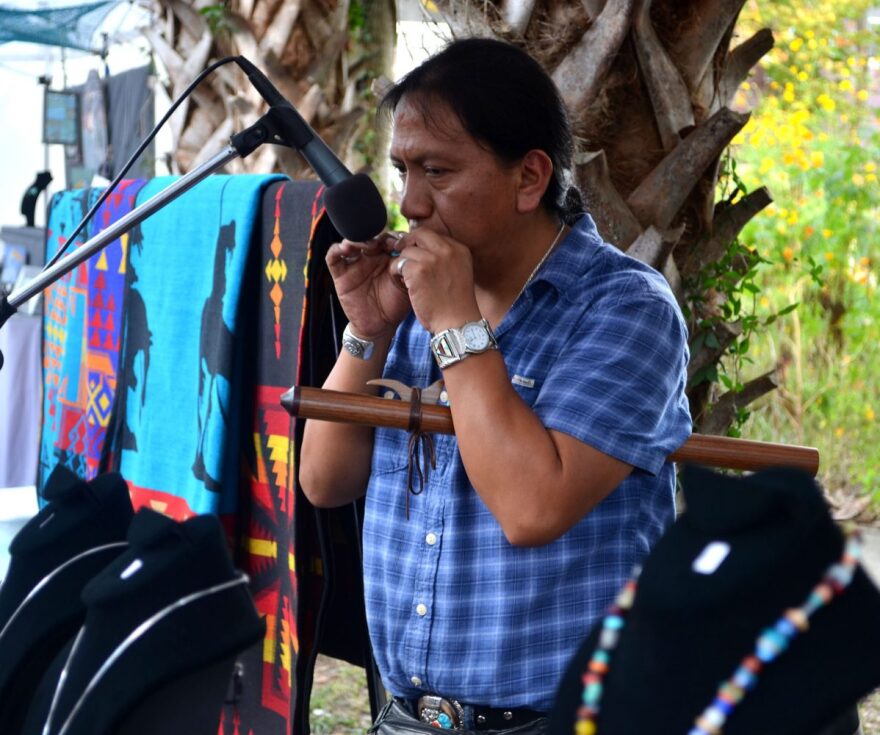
81, 321
165, 359
178, 414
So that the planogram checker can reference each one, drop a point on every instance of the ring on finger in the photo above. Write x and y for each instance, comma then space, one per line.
349, 259
399, 266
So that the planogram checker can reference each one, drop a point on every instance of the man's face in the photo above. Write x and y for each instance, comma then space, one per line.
451, 183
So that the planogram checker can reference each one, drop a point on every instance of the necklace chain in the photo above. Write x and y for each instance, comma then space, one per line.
541, 261
770, 643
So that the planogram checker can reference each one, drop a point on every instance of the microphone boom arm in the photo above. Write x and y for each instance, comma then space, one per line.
120, 227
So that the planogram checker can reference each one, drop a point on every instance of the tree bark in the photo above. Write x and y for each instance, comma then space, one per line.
614, 219
723, 412
654, 246
580, 74
661, 195
667, 90
729, 221
699, 39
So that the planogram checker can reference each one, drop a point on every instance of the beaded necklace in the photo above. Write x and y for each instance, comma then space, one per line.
770, 644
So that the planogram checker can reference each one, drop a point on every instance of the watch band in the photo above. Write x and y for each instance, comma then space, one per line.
362, 349
454, 345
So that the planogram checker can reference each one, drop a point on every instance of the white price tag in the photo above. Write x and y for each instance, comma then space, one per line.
711, 557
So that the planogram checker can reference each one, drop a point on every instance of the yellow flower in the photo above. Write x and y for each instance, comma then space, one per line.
795, 44
852, 61
870, 167
826, 233
845, 85
862, 95
803, 76
793, 218
869, 413
872, 178
858, 179
788, 253
864, 261
766, 165
765, 302
788, 94
774, 84
817, 159
829, 256
839, 431
745, 86
825, 102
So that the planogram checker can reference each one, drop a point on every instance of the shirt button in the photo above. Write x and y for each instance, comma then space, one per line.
416, 682
431, 539
421, 609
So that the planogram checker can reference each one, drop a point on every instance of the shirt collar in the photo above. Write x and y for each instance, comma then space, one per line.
572, 257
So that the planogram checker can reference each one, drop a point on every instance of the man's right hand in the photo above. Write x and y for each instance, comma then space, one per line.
372, 296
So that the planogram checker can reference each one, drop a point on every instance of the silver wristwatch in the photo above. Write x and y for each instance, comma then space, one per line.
362, 349
453, 345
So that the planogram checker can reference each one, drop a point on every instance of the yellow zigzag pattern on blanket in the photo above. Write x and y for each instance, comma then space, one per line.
279, 449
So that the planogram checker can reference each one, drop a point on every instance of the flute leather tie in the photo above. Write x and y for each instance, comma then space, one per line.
421, 457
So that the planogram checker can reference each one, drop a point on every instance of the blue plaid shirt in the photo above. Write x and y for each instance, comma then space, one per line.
597, 347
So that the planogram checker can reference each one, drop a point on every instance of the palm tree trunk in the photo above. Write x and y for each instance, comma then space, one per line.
649, 84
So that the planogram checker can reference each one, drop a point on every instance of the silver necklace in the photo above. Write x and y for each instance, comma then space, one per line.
541, 262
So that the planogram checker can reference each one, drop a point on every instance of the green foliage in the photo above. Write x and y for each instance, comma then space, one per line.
217, 17
357, 21
812, 141
726, 292
396, 221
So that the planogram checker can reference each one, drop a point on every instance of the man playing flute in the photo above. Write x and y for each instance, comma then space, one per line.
564, 363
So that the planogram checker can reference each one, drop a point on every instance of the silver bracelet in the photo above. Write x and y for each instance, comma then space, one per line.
362, 349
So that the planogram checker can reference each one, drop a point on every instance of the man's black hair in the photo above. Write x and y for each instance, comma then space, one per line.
505, 100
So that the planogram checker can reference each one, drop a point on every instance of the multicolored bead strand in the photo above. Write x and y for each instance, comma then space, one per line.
772, 642
599, 664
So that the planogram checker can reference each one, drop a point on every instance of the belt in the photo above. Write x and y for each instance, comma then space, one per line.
448, 713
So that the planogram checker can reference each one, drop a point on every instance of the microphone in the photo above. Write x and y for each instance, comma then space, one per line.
353, 202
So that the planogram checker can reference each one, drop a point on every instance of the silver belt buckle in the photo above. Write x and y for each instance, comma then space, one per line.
441, 712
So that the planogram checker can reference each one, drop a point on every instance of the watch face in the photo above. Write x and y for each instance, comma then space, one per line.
476, 338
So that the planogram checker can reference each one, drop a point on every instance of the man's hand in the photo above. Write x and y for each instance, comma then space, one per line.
373, 298
438, 273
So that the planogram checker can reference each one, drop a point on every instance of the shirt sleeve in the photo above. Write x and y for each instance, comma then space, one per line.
618, 384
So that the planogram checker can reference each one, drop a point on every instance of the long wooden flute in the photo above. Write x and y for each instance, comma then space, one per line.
711, 451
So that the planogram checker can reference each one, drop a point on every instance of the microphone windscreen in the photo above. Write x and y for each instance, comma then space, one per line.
355, 208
